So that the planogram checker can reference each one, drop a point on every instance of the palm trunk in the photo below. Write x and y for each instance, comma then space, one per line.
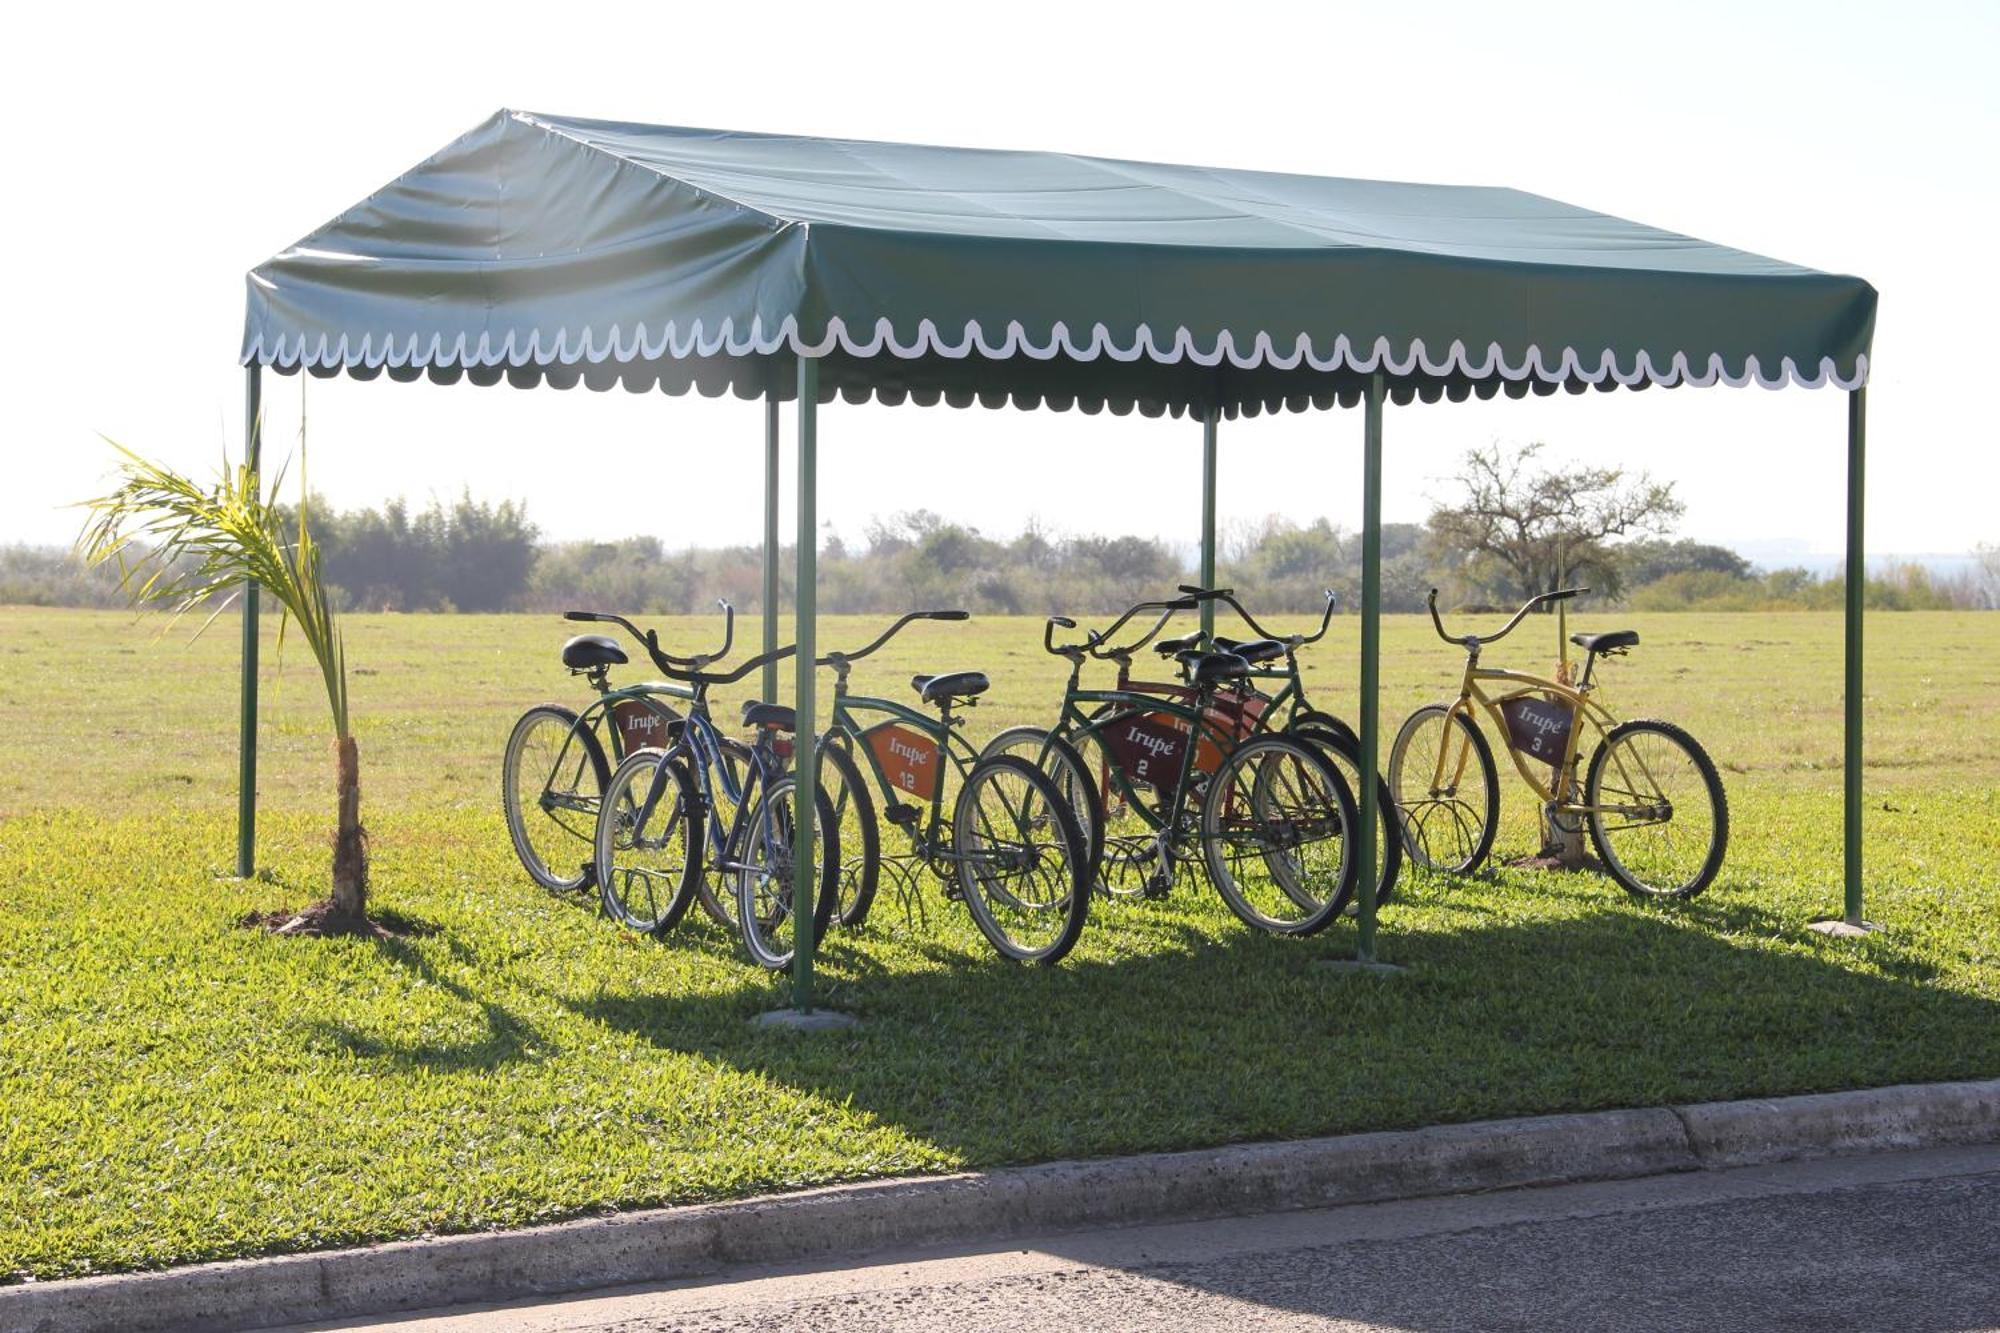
350, 840
1565, 846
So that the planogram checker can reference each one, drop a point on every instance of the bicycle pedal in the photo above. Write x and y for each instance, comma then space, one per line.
903, 816
1158, 886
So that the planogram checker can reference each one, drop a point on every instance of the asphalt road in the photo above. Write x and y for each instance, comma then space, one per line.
1902, 1241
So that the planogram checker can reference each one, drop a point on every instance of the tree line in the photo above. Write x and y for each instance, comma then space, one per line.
1515, 527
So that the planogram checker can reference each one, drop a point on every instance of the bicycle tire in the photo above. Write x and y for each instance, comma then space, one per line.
774, 808
852, 912
1223, 826
515, 816
1075, 902
1416, 813
614, 818
1615, 863
720, 905
1389, 831
1071, 776
1313, 718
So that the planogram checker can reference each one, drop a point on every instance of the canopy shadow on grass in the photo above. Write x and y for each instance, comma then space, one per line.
1245, 1037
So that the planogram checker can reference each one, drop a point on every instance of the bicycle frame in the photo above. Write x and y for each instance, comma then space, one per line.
695, 737
1556, 795
1583, 710
930, 839
1073, 723
603, 715
702, 744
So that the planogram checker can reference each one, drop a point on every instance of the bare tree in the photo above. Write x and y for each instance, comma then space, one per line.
1515, 531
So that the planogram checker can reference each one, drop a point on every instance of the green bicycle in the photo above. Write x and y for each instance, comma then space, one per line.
1164, 780
1010, 847
1282, 707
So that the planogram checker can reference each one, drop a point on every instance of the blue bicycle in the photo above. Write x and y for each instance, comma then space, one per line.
704, 804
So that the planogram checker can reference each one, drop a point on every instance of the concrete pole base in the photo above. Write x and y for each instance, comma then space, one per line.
1358, 965
818, 1020
1840, 929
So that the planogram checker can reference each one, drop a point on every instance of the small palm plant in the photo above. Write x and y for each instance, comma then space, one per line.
179, 544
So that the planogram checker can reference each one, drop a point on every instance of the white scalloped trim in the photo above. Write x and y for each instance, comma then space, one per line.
564, 348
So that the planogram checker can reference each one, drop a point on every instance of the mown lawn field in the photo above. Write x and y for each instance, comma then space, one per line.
175, 1088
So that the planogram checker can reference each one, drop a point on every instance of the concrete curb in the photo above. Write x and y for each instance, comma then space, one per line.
668, 1243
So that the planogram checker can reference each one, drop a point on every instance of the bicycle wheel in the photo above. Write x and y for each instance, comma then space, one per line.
1345, 753
1447, 791
1314, 720
1021, 860
716, 890
1274, 836
860, 837
648, 863
764, 884
1065, 767
551, 780
1668, 826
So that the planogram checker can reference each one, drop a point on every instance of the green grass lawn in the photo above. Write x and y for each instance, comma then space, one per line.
176, 1088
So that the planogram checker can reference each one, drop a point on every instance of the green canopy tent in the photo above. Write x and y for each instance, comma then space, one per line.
544, 249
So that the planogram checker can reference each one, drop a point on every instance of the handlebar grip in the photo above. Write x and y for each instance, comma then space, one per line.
1562, 595
946, 615
581, 615
1063, 621
1184, 603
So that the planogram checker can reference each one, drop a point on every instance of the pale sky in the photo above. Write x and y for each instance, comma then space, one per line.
155, 154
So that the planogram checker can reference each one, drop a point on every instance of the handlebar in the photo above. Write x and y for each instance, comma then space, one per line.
1294, 641
729, 677
1095, 640
650, 639
1477, 640
842, 659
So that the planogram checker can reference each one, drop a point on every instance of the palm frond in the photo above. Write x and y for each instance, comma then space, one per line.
179, 544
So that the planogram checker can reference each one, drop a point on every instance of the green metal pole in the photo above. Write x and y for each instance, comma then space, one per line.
1208, 517
1371, 659
804, 839
246, 762
1857, 588
770, 544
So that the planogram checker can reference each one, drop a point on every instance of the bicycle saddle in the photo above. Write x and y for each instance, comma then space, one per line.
950, 685
592, 650
1251, 650
1174, 647
1213, 668
1613, 641
779, 716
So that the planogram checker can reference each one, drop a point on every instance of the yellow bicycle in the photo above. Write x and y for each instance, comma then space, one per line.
1651, 798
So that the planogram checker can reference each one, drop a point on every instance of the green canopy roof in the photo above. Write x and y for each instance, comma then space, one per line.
544, 248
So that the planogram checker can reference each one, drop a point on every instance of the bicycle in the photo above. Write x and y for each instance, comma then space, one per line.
1647, 778
554, 769
1012, 843
1293, 712
1164, 780
661, 827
